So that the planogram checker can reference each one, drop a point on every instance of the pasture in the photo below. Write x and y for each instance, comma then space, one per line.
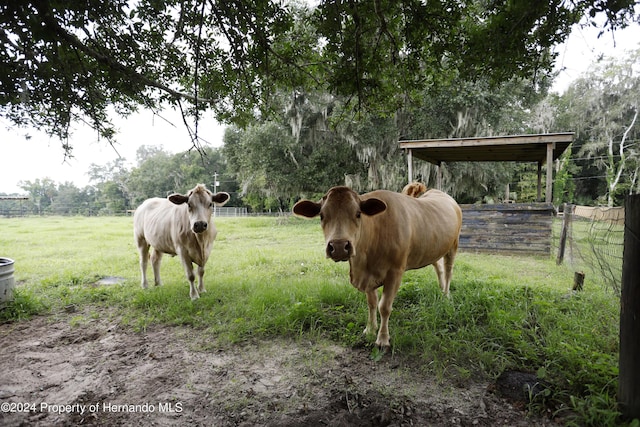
277, 338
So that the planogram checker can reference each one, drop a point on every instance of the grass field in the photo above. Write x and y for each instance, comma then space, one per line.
268, 277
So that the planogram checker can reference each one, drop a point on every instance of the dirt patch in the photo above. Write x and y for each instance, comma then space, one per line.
58, 372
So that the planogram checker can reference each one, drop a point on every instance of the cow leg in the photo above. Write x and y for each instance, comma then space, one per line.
372, 320
439, 267
143, 249
201, 288
188, 269
389, 291
156, 258
448, 268
193, 291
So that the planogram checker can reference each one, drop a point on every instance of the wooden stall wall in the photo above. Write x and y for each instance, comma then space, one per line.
510, 229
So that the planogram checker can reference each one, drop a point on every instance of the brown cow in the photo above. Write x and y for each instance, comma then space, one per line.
382, 234
414, 189
178, 225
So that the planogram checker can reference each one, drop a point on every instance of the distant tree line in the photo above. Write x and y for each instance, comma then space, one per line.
315, 143
115, 189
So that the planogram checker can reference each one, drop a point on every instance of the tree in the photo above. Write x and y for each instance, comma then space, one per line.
563, 184
262, 159
159, 173
153, 176
114, 197
68, 201
296, 153
41, 193
64, 61
111, 182
603, 107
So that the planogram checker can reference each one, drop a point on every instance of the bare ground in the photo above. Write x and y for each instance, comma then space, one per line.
167, 376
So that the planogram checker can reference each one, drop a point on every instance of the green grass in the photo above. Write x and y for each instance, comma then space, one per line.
268, 277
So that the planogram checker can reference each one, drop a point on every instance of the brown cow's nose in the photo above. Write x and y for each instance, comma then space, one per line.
199, 226
339, 250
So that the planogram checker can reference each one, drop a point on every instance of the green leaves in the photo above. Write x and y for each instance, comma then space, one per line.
63, 60
603, 107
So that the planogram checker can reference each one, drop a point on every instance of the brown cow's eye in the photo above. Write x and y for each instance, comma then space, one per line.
359, 214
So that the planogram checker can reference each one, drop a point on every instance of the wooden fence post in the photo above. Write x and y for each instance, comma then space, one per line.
567, 211
629, 373
578, 281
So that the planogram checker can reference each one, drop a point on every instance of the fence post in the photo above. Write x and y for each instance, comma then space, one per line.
578, 281
629, 372
566, 223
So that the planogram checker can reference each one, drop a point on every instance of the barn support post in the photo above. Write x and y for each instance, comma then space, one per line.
539, 196
439, 177
548, 197
410, 164
629, 368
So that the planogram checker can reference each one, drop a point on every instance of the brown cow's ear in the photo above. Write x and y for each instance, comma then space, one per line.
372, 206
220, 198
307, 208
178, 199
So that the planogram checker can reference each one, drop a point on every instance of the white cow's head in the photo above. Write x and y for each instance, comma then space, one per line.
200, 202
340, 211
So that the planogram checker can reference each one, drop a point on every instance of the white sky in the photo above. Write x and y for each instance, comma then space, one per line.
583, 47
23, 159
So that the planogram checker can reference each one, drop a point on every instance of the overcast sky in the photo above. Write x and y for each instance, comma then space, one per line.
26, 155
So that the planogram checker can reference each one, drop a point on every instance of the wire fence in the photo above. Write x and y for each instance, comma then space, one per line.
592, 239
23, 211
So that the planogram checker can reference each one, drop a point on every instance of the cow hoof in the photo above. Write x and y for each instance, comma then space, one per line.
194, 296
383, 348
368, 331
383, 344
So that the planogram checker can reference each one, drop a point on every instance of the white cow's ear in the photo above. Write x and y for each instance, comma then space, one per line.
220, 198
307, 208
178, 199
372, 206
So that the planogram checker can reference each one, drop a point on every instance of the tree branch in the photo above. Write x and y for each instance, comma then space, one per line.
110, 62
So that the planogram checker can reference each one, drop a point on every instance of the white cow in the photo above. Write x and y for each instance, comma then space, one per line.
178, 225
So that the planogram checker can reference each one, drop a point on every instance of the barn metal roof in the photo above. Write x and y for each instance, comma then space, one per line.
518, 148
